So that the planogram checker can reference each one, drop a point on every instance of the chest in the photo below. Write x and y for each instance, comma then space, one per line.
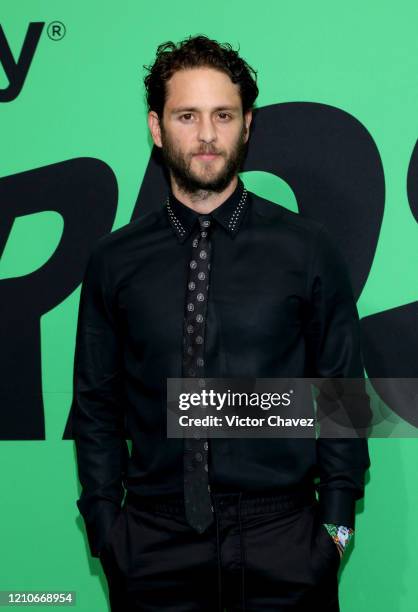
256, 292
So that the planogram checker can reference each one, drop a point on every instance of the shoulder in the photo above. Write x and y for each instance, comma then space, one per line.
112, 244
113, 253
282, 219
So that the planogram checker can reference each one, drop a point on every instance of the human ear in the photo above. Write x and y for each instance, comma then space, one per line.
155, 128
247, 122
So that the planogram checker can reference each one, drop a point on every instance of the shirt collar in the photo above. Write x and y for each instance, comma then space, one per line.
229, 214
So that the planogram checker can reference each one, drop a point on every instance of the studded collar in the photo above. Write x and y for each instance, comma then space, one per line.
229, 214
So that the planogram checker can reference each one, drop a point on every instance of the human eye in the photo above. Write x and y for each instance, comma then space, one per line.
223, 116
186, 117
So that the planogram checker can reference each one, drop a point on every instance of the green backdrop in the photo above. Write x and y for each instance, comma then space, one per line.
83, 96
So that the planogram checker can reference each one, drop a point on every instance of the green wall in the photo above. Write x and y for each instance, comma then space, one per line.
83, 96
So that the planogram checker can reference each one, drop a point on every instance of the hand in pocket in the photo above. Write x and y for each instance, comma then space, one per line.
324, 554
108, 538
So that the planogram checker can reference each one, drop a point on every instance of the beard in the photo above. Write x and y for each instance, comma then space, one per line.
191, 182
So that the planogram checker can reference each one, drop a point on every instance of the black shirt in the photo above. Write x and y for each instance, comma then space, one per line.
280, 304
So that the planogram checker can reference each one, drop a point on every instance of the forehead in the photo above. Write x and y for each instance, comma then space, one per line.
200, 88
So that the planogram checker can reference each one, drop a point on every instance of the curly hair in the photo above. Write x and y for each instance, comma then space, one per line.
193, 52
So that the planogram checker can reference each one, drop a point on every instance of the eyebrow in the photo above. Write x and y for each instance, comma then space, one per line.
192, 109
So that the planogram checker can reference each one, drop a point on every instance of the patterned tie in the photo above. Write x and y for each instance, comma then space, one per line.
198, 505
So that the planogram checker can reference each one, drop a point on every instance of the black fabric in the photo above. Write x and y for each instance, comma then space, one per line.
199, 509
261, 554
280, 305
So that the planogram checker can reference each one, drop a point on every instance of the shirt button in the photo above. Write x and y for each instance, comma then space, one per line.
198, 456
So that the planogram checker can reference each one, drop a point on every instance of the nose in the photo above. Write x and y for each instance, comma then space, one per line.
207, 131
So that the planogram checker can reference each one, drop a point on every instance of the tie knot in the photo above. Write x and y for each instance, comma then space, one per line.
204, 222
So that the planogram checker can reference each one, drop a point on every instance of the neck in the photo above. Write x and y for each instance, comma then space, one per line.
203, 201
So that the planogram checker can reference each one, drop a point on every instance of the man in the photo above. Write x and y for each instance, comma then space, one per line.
218, 283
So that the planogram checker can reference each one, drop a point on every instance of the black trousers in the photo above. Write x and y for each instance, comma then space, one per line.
260, 554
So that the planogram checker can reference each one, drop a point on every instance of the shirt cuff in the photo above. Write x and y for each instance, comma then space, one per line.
337, 506
98, 525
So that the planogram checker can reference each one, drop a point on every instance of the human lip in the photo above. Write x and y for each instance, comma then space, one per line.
207, 156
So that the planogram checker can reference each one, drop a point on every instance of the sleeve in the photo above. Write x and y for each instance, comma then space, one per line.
97, 406
334, 351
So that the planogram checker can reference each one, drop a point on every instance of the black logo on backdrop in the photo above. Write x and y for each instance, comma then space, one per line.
17, 70
84, 192
327, 157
